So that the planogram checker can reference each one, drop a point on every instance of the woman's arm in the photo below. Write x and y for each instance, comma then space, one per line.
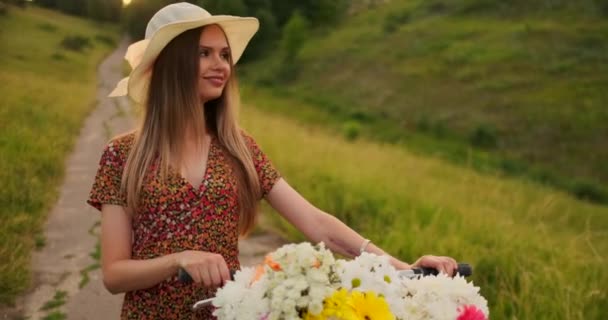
121, 273
319, 226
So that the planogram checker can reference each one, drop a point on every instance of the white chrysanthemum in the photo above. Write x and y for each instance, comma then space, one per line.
303, 281
439, 297
239, 299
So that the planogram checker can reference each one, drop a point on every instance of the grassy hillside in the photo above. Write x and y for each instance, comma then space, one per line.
524, 81
537, 253
47, 69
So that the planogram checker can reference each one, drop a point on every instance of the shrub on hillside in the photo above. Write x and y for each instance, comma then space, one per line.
47, 27
394, 20
602, 6
513, 167
4, 5
351, 130
293, 37
590, 191
58, 56
484, 136
76, 43
426, 124
107, 40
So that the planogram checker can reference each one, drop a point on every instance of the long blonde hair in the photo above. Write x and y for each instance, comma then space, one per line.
172, 107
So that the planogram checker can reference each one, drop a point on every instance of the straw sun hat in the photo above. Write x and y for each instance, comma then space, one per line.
167, 24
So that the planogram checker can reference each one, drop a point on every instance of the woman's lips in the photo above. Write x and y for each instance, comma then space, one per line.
215, 81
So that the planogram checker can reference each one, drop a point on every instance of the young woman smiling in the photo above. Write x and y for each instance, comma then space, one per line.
179, 190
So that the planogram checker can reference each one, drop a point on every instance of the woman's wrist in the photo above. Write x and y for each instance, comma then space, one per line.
398, 264
364, 245
368, 246
175, 260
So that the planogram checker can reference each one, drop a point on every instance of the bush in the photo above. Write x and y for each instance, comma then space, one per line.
590, 191
602, 6
513, 167
394, 20
437, 128
76, 43
436, 7
294, 35
484, 136
47, 27
288, 72
480, 6
58, 56
109, 41
351, 130
4, 5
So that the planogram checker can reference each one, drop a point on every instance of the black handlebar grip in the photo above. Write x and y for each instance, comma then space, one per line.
464, 269
185, 277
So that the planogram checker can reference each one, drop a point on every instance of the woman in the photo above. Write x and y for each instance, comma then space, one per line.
178, 191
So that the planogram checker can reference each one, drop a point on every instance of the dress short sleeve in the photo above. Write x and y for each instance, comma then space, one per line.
266, 171
106, 186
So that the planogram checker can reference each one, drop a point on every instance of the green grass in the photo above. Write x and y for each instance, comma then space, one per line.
95, 254
46, 92
449, 69
57, 301
55, 315
537, 253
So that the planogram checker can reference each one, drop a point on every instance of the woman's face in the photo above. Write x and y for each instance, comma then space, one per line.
214, 63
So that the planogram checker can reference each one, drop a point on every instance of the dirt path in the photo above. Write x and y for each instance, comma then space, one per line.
65, 270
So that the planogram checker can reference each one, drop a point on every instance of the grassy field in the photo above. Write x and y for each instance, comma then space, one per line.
508, 78
48, 73
537, 253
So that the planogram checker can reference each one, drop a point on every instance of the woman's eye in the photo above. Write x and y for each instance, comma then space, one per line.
203, 53
226, 56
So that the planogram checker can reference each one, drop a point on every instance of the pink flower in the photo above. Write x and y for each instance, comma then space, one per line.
470, 313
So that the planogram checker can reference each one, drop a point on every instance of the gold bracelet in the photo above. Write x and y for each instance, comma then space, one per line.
364, 245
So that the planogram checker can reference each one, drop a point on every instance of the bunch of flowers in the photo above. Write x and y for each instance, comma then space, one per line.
302, 281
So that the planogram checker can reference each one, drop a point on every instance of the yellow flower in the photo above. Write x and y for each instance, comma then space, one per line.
356, 305
309, 316
338, 306
369, 306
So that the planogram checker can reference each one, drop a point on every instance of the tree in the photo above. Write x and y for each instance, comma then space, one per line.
104, 10
137, 14
75, 7
292, 40
318, 12
266, 37
47, 3
294, 36
231, 7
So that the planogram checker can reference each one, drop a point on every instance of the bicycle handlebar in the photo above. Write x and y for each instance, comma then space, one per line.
185, 277
464, 269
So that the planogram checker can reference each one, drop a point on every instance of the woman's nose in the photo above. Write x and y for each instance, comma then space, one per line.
219, 62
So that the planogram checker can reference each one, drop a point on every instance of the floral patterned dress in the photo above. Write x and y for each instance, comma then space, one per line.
175, 216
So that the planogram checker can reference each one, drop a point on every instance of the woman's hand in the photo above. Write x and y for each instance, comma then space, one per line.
446, 265
207, 268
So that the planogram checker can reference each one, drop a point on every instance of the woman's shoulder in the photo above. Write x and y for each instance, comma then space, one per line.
120, 145
249, 140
